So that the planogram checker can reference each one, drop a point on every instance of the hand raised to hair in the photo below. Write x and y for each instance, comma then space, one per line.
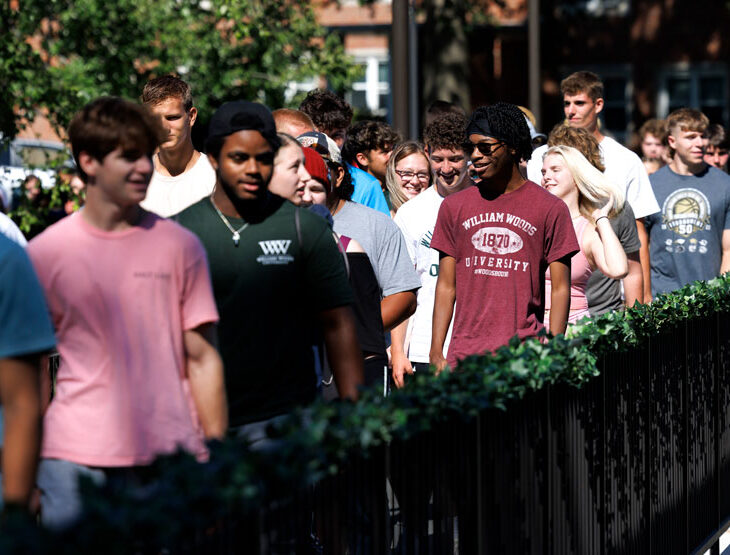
604, 210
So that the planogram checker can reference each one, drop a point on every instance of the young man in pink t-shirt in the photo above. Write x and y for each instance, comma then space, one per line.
131, 300
495, 242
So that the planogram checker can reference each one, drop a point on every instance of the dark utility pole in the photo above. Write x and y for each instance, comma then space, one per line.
399, 66
533, 49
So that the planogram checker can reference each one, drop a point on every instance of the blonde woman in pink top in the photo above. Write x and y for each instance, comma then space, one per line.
592, 200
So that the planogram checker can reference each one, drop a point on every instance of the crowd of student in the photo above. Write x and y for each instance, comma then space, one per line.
198, 295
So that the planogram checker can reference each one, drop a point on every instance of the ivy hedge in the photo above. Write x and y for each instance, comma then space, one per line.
185, 496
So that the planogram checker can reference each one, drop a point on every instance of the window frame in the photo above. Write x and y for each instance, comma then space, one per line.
695, 72
371, 83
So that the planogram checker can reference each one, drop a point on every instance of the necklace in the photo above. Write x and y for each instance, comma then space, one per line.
236, 232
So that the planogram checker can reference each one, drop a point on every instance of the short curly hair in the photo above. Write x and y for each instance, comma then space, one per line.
448, 131
507, 123
581, 140
365, 136
327, 110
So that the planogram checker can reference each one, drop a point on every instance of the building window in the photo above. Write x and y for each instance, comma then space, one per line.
701, 86
371, 94
595, 8
302, 87
616, 115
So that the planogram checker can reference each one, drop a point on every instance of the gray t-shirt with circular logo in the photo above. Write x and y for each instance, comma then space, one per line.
685, 236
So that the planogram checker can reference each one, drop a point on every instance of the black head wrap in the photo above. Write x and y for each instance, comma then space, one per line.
241, 115
504, 122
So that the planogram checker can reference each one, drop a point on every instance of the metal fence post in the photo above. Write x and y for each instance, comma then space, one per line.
480, 487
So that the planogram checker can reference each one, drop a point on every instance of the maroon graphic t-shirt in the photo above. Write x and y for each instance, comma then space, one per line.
502, 248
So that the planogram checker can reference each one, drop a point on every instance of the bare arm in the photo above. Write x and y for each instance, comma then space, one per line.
644, 257
560, 295
443, 310
396, 308
634, 281
21, 405
607, 252
343, 350
401, 364
207, 385
725, 263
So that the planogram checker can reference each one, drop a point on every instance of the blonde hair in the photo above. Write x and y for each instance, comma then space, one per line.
594, 189
392, 184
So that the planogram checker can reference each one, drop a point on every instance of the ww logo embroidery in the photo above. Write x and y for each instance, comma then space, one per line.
275, 252
279, 246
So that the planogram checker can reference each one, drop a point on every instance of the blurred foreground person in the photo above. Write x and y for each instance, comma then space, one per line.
131, 299
26, 333
277, 276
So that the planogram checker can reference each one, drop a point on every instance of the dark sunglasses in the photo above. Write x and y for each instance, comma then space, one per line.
487, 149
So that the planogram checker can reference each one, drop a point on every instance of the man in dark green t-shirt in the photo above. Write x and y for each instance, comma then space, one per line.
277, 274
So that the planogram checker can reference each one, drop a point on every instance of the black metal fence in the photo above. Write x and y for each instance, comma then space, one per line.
635, 461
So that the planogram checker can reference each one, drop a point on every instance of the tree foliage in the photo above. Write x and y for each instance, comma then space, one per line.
24, 83
225, 49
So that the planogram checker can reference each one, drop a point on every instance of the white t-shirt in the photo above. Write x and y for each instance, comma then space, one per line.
417, 219
623, 167
167, 195
11, 231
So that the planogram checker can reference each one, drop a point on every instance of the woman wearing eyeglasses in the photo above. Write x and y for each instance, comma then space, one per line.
592, 200
407, 174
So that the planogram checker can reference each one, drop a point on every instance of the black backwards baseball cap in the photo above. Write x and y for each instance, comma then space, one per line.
241, 115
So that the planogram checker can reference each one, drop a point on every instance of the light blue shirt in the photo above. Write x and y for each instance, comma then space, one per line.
368, 191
